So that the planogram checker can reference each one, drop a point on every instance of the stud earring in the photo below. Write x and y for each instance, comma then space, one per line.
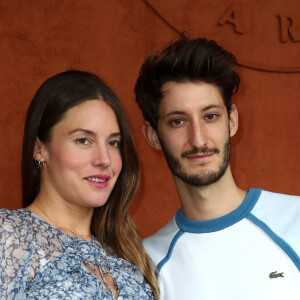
40, 163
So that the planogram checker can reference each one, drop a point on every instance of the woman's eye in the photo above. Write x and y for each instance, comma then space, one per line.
177, 122
115, 143
211, 116
82, 141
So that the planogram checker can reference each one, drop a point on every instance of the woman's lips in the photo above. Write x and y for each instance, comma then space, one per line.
98, 181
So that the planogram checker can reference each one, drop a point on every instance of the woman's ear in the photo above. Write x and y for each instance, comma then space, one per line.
151, 135
233, 120
39, 151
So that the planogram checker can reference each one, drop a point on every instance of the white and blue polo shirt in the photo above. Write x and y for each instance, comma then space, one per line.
251, 253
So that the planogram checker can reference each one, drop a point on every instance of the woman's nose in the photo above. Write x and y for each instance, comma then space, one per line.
101, 156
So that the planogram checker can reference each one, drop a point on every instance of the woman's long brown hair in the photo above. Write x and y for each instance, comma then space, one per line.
111, 223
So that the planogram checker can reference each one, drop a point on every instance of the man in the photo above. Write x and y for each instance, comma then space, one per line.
224, 242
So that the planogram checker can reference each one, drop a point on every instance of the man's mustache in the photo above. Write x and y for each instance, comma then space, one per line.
201, 150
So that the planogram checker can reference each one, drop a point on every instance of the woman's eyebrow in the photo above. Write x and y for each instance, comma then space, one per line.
90, 132
115, 134
87, 131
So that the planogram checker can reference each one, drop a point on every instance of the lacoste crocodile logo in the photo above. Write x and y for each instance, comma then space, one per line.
275, 274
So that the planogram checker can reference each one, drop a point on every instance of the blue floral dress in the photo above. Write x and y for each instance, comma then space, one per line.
37, 261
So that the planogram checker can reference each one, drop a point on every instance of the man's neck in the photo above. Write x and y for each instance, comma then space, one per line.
211, 201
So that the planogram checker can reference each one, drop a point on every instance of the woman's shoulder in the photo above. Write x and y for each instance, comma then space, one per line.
14, 237
13, 217
12, 212
12, 222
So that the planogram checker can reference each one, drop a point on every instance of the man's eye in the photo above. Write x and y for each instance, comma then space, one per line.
115, 143
177, 122
82, 141
211, 116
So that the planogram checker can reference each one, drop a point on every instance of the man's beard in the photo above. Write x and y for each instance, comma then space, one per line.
205, 177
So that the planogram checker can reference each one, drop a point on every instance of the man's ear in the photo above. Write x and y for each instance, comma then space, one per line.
151, 135
233, 120
40, 152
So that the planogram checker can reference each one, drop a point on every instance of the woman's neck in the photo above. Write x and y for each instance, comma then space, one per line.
67, 217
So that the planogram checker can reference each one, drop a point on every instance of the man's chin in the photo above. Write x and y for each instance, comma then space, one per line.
199, 171
203, 178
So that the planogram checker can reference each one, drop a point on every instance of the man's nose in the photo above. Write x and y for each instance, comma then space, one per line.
198, 135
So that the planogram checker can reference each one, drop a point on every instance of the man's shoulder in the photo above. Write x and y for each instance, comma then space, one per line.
275, 195
158, 244
278, 209
279, 216
271, 203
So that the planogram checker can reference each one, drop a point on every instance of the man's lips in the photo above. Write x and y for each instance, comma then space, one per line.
200, 152
201, 158
199, 155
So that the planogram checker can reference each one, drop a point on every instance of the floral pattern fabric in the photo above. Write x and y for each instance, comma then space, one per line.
37, 261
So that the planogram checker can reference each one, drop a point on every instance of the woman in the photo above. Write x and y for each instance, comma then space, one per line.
75, 239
